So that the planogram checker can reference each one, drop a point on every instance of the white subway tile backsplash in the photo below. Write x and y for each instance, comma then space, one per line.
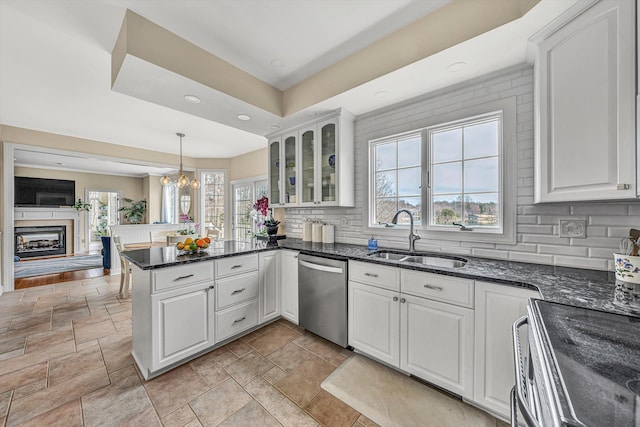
537, 224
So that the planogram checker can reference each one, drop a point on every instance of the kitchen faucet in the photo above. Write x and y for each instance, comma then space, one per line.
412, 236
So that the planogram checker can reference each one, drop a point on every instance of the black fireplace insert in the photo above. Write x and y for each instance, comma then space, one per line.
40, 241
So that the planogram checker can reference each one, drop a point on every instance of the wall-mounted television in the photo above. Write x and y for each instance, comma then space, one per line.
44, 192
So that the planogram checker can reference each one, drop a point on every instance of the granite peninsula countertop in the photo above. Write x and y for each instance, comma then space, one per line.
578, 287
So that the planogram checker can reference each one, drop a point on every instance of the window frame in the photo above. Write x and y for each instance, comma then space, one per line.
202, 200
253, 183
508, 179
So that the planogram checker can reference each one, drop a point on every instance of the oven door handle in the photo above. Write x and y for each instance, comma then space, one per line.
521, 378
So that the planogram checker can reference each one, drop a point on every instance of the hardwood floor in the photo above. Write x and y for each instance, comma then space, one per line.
67, 276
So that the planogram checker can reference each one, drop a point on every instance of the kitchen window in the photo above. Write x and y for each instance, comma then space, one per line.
213, 202
459, 169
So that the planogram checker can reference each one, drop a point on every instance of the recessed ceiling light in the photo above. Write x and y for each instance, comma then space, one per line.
277, 63
274, 127
457, 66
192, 99
381, 94
243, 117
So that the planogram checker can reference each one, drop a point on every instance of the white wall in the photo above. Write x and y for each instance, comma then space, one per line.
537, 225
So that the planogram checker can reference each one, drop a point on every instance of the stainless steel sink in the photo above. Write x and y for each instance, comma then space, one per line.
434, 261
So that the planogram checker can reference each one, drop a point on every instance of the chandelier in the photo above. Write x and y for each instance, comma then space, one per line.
181, 180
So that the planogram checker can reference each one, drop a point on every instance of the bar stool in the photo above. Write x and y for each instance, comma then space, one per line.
125, 269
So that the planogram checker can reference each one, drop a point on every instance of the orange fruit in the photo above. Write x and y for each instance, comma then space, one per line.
200, 243
207, 239
180, 246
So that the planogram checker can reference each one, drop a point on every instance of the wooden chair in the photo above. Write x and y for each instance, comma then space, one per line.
125, 269
158, 237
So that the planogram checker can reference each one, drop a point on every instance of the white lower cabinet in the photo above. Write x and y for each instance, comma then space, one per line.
374, 322
429, 339
269, 299
437, 343
182, 323
236, 319
289, 285
497, 308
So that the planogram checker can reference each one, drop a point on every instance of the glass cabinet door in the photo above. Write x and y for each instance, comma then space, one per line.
290, 169
307, 167
328, 161
274, 173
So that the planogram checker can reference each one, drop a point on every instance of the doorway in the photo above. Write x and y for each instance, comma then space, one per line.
102, 214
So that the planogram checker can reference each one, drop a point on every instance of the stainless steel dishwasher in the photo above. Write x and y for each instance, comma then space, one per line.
322, 297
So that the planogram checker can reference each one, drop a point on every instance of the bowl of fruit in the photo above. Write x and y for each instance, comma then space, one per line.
193, 246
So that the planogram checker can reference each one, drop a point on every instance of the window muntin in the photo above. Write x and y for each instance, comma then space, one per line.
397, 178
466, 177
213, 189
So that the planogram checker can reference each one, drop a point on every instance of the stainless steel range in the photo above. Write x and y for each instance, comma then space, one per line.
583, 367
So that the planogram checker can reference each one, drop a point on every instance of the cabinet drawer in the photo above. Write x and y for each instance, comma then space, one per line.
374, 274
187, 274
235, 289
438, 287
236, 265
236, 319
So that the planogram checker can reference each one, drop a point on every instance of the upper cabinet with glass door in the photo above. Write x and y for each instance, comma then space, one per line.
325, 163
283, 160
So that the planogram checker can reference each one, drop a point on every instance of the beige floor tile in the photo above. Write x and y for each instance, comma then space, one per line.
62, 338
266, 394
175, 388
5, 400
330, 411
290, 356
303, 383
51, 300
120, 402
116, 350
45, 400
247, 367
239, 348
87, 344
90, 328
146, 418
291, 416
28, 325
219, 403
23, 376
273, 340
274, 375
68, 415
180, 417
221, 356
29, 359
318, 346
31, 388
70, 365
366, 422
118, 308
251, 414
212, 373
193, 423
64, 316
12, 348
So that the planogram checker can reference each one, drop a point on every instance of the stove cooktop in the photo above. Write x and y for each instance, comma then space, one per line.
597, 356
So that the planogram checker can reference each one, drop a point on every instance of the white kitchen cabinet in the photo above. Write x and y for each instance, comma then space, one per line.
289, 285
497, 308
269, 298
437, 343
182, 323
374, 322
585, 107
320, 172
283, 160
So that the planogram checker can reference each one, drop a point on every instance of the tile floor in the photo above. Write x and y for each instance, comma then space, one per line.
65, 360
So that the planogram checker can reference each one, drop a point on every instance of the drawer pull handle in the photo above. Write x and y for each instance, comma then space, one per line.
182, 277
433, 288
371, 274
239, 320
395, 298
238, 291
236, 266
211, 287
402, 300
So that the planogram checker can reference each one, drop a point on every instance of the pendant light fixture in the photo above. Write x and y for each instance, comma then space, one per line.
181, 180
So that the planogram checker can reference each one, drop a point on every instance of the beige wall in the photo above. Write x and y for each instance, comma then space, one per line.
130, 187
254, 163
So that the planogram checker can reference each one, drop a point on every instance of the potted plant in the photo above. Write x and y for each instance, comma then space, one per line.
81, 206
134, 213
271, 224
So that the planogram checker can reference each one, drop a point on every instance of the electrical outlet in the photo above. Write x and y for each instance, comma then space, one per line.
575, 228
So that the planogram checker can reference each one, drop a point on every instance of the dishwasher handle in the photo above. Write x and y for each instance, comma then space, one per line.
319, 267
521, 389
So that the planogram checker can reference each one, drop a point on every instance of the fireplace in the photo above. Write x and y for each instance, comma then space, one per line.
40, 241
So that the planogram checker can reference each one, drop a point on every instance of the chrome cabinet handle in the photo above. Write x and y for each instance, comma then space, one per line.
239, 320
395, 298
434, 288
182, 277
402, 300
371, 274
236, 266
238, 291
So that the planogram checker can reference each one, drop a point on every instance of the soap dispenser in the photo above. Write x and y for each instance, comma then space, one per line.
373, 244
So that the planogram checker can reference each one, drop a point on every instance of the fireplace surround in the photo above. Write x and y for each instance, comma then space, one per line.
40, 241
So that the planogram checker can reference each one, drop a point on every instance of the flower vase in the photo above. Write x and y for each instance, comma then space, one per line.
627, 268
272, 230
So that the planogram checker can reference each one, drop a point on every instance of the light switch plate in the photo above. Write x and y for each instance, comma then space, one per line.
575, 228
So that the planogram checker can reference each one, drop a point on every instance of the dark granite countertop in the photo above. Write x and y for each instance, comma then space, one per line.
578, 287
